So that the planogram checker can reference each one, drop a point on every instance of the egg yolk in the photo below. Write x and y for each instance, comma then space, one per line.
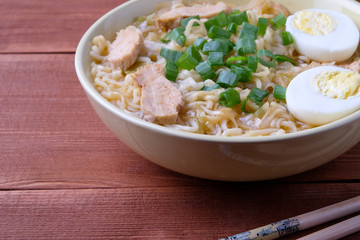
315, 23
337, 84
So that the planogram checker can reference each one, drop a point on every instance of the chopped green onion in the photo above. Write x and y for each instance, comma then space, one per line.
191, 50
165, 39
236, 60
257, 96
278, 21
232, 28
229, 98
216, 45
243, 73
286, 38
205, 70
245, 46
279, 92
216, 58
177, 35
238, 17
185, 21
227, 79
199, 43
220, 20
171, 70
169, 54
210, 88
263, 55
187, 62
281, 58
248, 31
230, 45
252, 62
262, 25
218, 32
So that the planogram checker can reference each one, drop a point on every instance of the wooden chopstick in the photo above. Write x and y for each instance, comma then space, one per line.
336, 231
301, 222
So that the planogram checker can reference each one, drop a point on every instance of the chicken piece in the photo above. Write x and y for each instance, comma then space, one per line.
266, 7
160, 99
126, 48
172, 18
355, 66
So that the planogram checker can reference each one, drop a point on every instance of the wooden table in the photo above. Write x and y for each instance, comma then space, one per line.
64, 175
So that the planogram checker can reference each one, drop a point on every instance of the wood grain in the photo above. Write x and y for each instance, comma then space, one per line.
209, 212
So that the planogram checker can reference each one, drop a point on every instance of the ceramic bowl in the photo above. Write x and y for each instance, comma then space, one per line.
214, 157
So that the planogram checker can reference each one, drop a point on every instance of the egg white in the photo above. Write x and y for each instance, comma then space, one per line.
310, 106
338, 45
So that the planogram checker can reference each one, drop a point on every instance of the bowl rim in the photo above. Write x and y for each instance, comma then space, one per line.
91, 92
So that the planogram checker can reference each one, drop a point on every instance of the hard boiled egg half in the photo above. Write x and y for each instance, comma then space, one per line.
323, 94
323, 35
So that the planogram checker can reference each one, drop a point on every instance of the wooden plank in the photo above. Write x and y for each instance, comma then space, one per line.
48, 26
203, 212
51, 138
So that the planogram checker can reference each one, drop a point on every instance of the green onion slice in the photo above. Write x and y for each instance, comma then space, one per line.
286, 38
218, 32
238, 17
257, 96
187, 62
171, 70
278, 22
232, 28
177, 35
248, 31
185, 21
266, 58
245, 46
210, 88
281, 58
191, 50
220, 20
205, 70
200, 42
279, 92
262, 25
217, 45
252, 62
227, 79
243, 73
169, 54
236, 60
229, 98
216, 58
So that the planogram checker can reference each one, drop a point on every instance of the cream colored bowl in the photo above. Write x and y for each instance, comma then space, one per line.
213, 157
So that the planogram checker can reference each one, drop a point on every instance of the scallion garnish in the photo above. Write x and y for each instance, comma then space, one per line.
216, 45
199, 43
205, 70
279, 92
262, 25
218, 32
248, 31
171, 70
216, 58
245, 46
227, 79
185, 21
266, 58
220, 20
229, 98
252, 62
187, 62
236, 60
232, 28
210, 88
243, 73
281, 58
169, 54
238, 17
191, 50
278, 22
177, 35
257, 96
286, 38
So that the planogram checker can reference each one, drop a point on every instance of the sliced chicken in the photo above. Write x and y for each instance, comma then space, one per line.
173, 17
266, 7
126, 48
355, 66
160, 99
